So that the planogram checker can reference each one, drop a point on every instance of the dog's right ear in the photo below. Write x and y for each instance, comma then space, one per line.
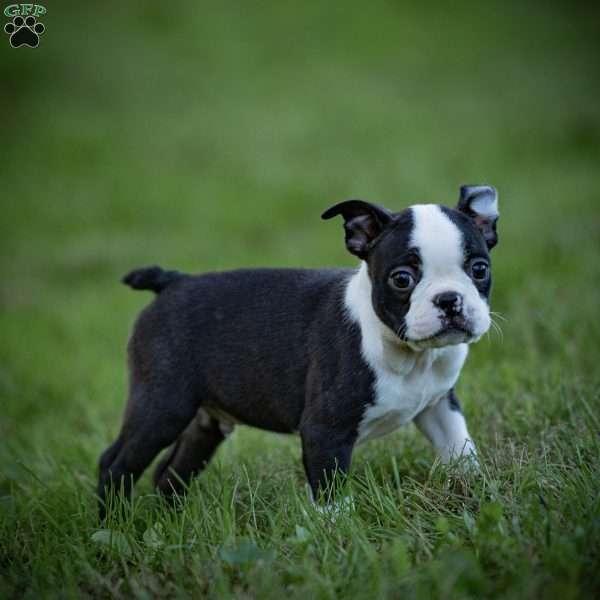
363, 223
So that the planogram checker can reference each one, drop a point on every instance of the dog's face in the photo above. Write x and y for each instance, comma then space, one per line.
429, 265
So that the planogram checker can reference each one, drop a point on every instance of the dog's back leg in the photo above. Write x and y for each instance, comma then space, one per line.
190, 454
153, 420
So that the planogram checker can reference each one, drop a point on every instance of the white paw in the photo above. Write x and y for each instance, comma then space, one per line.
465, 458
333, 510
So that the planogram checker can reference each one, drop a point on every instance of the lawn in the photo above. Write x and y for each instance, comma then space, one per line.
211, 136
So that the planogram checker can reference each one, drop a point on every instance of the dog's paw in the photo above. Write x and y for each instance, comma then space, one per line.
24, 32
464, 458
332, 511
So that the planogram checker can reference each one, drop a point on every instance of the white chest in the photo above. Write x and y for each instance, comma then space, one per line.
406, 381
402, 393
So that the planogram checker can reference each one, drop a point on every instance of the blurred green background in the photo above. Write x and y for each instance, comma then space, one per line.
206, 136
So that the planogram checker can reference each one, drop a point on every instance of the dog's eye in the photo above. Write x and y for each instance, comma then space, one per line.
402, 280
480, 270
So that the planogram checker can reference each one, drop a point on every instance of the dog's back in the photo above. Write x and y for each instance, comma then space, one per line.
241, 339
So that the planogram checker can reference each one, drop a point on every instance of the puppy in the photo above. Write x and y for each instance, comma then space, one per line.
339, 356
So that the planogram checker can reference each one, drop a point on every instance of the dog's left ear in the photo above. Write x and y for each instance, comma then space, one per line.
480, 202
363, 223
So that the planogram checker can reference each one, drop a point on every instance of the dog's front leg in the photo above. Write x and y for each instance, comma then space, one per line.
445, 427
326, 453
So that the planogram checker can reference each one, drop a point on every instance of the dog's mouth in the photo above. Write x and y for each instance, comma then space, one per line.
457, 324
456, 331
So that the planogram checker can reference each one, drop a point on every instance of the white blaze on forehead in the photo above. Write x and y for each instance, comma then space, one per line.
437, 238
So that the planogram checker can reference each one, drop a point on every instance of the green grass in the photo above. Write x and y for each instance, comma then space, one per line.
210, 137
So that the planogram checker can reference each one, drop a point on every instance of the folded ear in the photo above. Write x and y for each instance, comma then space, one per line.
480, 202
363, 223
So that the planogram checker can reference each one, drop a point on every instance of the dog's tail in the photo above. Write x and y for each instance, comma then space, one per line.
151, 278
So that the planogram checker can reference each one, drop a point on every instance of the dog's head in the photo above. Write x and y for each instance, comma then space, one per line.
429, 265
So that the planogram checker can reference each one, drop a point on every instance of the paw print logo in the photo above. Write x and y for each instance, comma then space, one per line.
24, 32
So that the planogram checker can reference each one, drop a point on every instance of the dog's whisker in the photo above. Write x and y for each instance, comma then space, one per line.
401, 331
498, 315
496, 327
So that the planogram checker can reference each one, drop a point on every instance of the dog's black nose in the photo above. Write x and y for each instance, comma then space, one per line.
449, 302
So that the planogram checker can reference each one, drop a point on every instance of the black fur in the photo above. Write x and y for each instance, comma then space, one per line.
150, 278
453, 401
256, 344
391, 250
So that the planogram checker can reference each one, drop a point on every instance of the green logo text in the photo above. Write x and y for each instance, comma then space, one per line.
22, 10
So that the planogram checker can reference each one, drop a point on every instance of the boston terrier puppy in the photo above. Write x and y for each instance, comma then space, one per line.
339, 356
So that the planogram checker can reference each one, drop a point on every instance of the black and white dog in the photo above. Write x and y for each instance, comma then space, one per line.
339, 356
